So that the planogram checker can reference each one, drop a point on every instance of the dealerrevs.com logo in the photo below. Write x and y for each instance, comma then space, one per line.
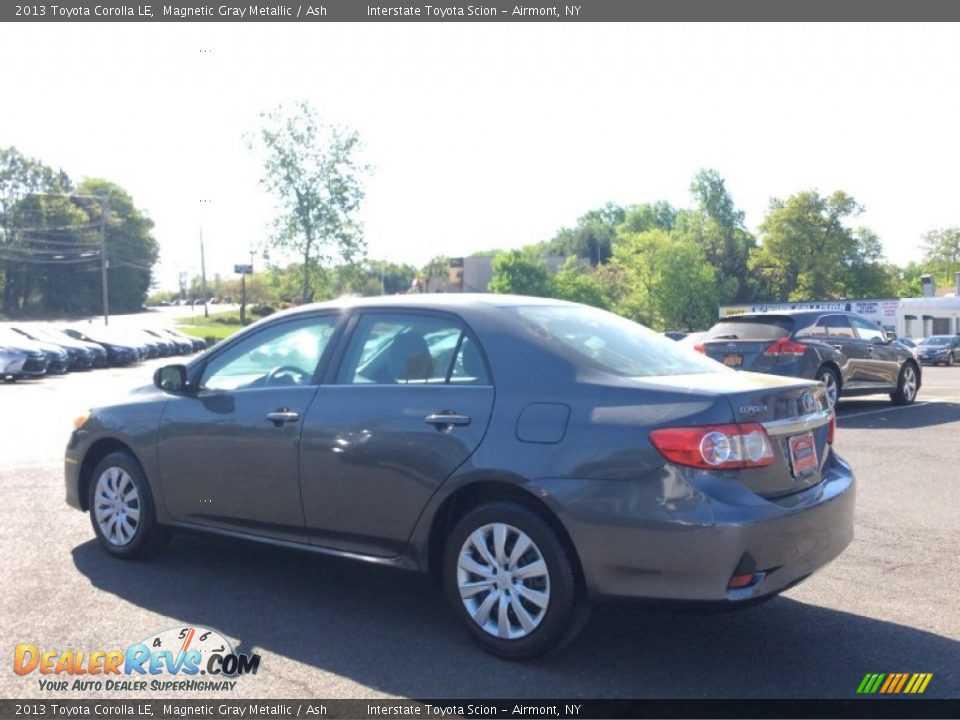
182, 658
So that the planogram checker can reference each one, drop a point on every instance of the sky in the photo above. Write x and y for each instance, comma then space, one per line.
493, 135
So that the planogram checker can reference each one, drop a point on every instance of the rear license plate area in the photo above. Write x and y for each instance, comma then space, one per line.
803, 455
733, 360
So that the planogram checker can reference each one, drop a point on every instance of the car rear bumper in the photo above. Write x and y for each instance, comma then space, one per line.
682, 535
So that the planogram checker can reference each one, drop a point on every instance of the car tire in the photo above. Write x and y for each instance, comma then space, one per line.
907, 385
831, 381
122, 510
525, 613
950, 360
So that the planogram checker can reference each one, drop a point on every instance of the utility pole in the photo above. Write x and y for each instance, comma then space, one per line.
104, 262
203, 276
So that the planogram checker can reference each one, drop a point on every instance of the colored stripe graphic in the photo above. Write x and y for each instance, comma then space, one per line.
894, 683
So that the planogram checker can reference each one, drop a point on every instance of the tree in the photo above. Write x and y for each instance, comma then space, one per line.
576, 283
670, 285
313, 171
20, 177
132, 251
717, 226
520, 273
807, 252
941, 253
592, 237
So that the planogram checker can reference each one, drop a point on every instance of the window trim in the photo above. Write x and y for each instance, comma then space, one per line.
350, 329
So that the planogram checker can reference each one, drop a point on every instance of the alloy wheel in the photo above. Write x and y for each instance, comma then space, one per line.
830, 383
503, 581
117, 506
909, 383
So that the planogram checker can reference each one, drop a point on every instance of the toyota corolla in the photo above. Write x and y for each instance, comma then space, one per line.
533, 456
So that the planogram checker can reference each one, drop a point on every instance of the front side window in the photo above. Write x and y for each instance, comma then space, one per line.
867, 330
285, 354
612, 343
411, 349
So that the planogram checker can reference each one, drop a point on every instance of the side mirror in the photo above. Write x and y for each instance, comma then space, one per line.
891, 336
171, 378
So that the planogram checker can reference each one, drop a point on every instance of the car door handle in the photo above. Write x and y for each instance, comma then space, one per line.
279, 417
838, 346
447, 419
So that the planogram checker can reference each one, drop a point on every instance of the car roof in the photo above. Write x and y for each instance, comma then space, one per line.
478, 302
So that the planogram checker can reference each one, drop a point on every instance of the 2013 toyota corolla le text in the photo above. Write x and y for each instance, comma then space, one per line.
531, 455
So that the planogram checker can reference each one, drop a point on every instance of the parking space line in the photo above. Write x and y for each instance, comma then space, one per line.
894, 408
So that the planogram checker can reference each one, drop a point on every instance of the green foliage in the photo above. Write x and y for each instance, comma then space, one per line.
941, 254
576, 283
717, 226
312, 170
665, 281
50, 241
808, 252
520, 273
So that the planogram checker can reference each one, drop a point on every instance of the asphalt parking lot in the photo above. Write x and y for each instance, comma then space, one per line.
333, 629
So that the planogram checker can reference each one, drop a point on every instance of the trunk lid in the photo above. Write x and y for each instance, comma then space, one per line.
795, 414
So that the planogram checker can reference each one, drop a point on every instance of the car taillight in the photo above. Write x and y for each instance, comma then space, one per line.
831, 428
699, 347
785, 350
715, 447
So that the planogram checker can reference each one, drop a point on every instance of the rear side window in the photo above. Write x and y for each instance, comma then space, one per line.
828, 326
612, 343
767, 328
401, 349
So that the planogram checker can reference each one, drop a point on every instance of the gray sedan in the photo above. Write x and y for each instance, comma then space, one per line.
532, 456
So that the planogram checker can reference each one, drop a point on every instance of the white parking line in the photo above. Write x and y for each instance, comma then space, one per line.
894, 408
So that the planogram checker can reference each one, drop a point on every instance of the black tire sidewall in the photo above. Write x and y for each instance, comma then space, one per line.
565, 593
147, 528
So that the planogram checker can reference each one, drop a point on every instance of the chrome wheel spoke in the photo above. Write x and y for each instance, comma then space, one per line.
519, 548
479, 541
540, 599
482, 613
471, 589
535, 569
526, 622
503, 619
500, 543
472, 566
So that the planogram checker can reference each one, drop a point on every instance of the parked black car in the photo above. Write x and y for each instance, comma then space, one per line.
938, 349
119, 352
80, 357
846, 352
531, 455
20, 357
197, 343
58, 359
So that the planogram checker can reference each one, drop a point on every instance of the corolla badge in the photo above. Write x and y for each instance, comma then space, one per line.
752, 409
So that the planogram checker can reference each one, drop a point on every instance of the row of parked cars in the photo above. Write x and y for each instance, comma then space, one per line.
32, 350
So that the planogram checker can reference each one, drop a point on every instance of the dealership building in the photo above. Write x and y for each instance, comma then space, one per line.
919, 317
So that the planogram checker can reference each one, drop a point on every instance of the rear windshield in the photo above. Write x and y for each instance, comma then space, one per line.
751, 328
612, 343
